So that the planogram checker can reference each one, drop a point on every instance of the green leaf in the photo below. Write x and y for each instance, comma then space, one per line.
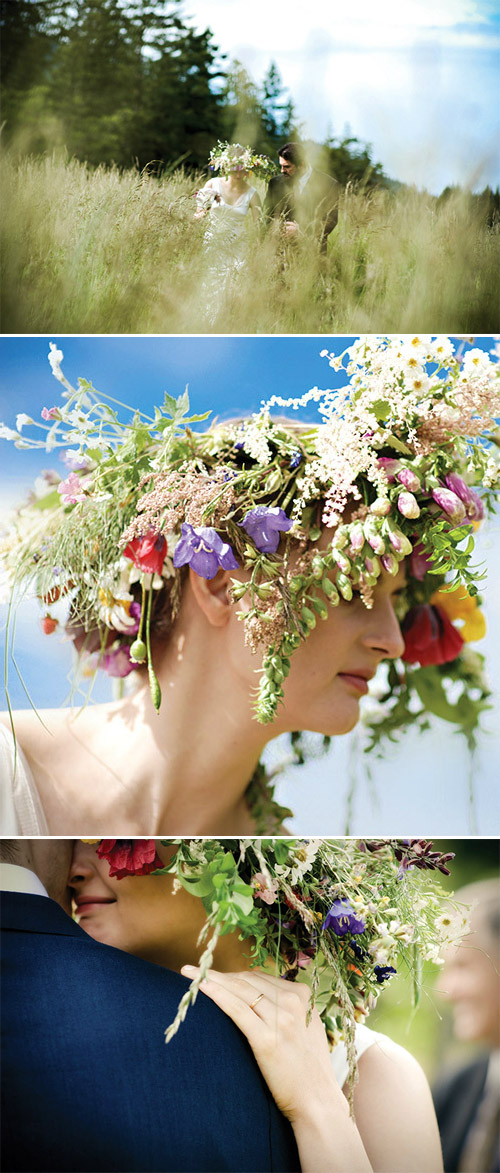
49, 501
382, 409
169, 404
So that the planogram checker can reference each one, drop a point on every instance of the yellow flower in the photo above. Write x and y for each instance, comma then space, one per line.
458, 604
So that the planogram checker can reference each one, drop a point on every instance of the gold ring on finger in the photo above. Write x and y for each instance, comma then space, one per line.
254, 1003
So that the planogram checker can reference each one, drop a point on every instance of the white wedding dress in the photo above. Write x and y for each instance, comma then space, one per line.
226, 227
21, 811
364, 1039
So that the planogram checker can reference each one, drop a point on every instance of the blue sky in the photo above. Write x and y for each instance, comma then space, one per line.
416, 78
422, 787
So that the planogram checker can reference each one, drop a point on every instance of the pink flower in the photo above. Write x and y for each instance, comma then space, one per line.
420, 562
71, 489
118, 662
474, 507
51, 413
390, 466
409, 479
265, 888
450, 504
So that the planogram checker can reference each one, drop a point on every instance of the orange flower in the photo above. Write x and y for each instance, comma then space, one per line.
458, 604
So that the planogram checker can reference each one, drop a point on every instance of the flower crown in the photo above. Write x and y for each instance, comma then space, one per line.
227, 157
342, 915
393, 468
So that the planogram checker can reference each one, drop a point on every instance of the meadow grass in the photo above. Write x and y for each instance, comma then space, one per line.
102, 251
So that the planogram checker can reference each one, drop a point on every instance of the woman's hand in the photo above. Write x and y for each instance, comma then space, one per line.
294, 1059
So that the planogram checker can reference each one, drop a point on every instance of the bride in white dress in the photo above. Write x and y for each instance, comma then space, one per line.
229, 203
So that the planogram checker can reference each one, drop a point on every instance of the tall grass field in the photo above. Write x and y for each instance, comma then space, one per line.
103, 251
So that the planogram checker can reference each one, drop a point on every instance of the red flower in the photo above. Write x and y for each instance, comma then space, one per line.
49, 624
147, 553
430, 637
130, 857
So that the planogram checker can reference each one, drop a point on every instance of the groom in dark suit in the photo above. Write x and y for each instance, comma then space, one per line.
467, 1099
306, 201
88, 1081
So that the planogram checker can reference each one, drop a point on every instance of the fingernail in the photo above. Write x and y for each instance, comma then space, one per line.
189, 969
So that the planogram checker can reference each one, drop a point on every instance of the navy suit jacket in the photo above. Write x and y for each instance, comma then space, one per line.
88, 1081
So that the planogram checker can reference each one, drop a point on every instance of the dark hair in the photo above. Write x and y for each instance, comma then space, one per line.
10, 851
293, 153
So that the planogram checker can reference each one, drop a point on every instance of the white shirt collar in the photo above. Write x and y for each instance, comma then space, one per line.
301, 183
14, 878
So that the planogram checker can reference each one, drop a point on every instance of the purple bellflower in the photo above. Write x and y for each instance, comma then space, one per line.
202, 548
264, 525
342, 918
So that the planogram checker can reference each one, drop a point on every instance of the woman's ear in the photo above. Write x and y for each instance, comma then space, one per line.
212, 596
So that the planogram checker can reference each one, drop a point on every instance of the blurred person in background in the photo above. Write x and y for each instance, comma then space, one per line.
467, 1099
306, 200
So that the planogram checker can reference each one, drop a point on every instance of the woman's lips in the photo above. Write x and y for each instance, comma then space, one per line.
357, 682
85, 904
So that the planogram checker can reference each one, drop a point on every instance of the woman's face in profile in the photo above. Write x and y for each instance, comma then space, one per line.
139, 914
330, 670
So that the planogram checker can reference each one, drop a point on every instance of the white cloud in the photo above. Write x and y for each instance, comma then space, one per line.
417, 81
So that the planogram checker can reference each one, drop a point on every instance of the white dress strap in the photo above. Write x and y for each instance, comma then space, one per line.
21, 811
364, 1038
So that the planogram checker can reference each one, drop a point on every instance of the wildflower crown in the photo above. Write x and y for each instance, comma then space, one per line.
402, 466
227, 157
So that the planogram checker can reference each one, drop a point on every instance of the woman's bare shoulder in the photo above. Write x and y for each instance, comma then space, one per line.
394, 1110
385, 1056
39, 731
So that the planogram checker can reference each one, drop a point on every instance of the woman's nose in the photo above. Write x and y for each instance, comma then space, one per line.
384, 633
82, 863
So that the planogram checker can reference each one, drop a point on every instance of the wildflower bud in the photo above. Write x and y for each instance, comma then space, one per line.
296, 583
389, 465
409, 479
274, 481
357, 537
320, 607
390, 563
263, 590
238, 589
372, 566
381, 507
138, 651
344, 586
398, 540
308, 617
343, 562
317, 566
450, 504
330, 591
408, 505
373, 535
341, 537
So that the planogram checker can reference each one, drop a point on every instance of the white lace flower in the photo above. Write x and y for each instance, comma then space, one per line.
55, 358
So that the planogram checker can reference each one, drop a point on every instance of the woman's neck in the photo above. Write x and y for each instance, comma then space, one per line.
236, 182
